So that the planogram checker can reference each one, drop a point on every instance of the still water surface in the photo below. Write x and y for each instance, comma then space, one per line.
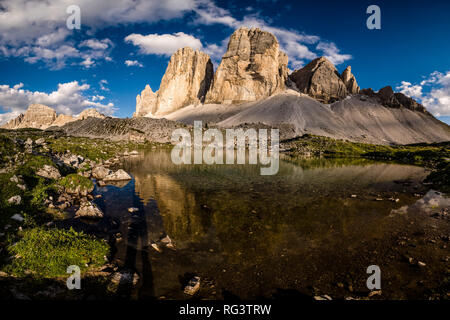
314, 224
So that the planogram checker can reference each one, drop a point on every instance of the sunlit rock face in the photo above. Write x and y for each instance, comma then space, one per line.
253, 68
37, 116
350, 81
62, 119
187, 79
91, 112
145, 102
40, 116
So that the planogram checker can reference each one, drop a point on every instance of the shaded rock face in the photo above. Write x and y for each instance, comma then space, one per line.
145, 102
252, 68
387, 97
350, 81
187, 79
321, 80
37, 116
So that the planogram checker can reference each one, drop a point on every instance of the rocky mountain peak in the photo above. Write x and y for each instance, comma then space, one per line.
37, 116
91, 112
253, 68
321, 80
40, 116
145, 102
186, 81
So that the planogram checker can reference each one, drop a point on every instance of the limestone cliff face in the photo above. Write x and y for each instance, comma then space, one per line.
321, 80
350, 81
253, 68
187, 79
145, 102
39, 116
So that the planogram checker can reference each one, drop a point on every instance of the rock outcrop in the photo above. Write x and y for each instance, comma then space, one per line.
39, 116
62, 119
145, 102
187, 79
321, 80
91, 112
388, 98
350, 81
253, 68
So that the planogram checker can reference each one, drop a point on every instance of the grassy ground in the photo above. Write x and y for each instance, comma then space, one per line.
31, 247
46, 253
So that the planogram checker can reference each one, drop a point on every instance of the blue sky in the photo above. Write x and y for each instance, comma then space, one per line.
42, 61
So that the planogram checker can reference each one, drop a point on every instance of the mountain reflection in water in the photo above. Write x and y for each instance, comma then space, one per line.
251, 234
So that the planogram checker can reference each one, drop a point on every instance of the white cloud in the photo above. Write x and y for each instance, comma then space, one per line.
414, 91
97, 44
163, 44
133, 63
67, 99
103, 83
23, 21
433, 92
331, 52
35, 30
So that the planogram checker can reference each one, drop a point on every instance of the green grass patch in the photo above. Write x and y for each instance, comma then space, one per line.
72, 181
46, 253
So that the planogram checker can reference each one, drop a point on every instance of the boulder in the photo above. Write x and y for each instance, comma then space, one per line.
321, 80
89, 210
15, 200
125, 277
100, 172
48, 172
117, 176
193, 286
253, 68
18, 217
